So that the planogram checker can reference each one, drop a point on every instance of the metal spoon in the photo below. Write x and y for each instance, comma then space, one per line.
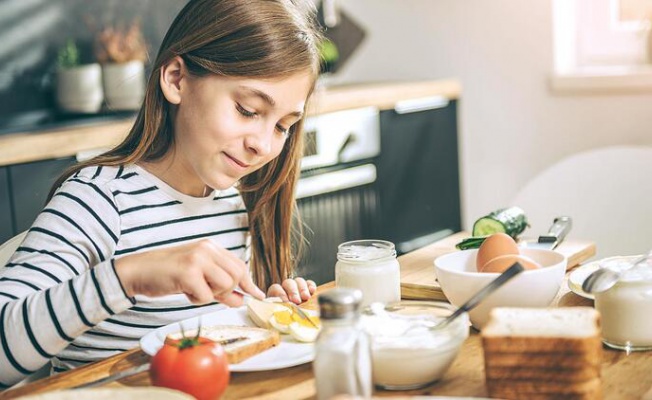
604, 278
508, 274
380, 309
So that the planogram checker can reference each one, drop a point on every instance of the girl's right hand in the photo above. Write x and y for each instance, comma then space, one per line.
201, 270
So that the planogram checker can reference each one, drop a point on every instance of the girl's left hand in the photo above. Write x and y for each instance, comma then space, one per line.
296, 290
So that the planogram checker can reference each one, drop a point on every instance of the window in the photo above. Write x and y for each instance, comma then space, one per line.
608, 41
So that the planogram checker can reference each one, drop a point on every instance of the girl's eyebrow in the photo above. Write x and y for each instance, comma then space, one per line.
267, 98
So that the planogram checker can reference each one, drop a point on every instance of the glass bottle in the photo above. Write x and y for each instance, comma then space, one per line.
372, 267
342, 362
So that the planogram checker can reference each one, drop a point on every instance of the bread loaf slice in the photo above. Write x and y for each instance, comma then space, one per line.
255, 340
567, 330
543, 360
549, 374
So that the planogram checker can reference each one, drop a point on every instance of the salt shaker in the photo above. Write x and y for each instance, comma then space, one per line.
372, 267
342, 362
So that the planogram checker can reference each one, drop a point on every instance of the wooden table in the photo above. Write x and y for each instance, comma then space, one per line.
624, 376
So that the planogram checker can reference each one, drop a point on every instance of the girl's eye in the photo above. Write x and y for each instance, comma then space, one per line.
284, 131
244, 112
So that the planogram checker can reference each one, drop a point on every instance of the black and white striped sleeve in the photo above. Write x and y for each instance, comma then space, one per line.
61, 281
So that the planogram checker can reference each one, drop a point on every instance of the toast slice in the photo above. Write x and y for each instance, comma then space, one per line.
542, 360
256, 340
550, 374
567, 330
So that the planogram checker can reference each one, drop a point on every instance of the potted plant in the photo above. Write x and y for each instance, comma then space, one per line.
79, 87
122, 53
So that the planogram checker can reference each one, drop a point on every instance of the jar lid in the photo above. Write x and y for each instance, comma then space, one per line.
366, 250
339, 303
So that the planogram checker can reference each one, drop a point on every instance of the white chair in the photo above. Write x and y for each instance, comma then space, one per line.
607, 192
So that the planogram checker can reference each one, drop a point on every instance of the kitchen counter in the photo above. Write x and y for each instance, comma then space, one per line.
41, 145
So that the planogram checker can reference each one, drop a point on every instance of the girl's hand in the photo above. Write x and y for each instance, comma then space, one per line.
296, 290
201, 270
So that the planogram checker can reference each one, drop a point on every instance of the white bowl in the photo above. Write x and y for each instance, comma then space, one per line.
459, 280
405, 354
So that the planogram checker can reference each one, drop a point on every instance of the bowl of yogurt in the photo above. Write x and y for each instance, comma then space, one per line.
405, 353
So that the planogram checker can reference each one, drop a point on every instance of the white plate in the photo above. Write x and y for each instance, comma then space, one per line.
579, 274
287, 354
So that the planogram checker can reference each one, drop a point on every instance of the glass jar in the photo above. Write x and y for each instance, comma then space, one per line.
342, 362
626, 307
372, 267
405, 353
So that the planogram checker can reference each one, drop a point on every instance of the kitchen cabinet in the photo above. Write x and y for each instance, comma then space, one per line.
6, 226
30, 185
418, 173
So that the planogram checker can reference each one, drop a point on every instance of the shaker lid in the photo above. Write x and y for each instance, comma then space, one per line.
339, 303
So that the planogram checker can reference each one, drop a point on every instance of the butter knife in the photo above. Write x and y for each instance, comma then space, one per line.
114, 377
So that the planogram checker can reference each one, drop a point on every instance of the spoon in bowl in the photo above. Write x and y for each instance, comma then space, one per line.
604, 278
508, 274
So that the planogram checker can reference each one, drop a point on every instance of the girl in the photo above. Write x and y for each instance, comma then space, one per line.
196, 201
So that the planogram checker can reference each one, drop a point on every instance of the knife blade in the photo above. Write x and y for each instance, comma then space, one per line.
114, 377
140, 368
555, 235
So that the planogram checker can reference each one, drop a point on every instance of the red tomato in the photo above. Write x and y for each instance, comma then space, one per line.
197, 366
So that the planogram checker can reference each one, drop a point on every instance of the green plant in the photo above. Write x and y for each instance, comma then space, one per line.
328, 51
68, 55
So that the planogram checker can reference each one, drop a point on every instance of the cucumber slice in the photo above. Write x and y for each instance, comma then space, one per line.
511, 221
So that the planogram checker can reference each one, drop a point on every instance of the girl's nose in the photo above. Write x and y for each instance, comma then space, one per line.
260, 143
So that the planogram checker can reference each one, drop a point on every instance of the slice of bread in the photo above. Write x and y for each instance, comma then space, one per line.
551, 373
256, 340
568, 330
542, 360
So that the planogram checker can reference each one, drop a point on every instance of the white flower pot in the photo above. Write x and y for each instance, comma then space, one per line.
124, 85
79, 89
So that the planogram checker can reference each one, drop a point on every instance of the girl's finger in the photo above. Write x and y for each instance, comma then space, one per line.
292, 290
312, 286
302, 285
277, 290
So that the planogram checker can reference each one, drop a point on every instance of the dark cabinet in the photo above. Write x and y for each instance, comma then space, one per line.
30, 185
6, 226
418, 175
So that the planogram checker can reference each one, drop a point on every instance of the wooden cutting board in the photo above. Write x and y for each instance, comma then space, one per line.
418, 271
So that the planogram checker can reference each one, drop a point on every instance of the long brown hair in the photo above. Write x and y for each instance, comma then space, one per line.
235, 38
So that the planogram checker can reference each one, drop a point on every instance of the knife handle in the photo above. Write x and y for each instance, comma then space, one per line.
558, 231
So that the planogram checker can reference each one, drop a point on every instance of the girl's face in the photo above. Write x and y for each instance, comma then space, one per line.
226, 128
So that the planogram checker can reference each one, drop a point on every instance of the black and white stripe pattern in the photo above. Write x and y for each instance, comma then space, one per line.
60, 298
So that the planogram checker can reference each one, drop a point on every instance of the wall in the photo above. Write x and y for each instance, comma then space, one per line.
511, 126
32, 31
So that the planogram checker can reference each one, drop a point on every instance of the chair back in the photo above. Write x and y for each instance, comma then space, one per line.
607, 192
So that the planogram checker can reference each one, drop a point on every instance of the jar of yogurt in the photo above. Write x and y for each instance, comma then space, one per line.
627, 306
370, 266
405, 353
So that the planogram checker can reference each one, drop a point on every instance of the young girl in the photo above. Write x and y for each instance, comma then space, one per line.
195, 202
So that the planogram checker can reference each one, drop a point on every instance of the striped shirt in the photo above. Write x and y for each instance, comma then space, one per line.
60, 297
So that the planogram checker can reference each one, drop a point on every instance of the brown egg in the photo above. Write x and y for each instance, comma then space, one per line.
498, 244
501, 263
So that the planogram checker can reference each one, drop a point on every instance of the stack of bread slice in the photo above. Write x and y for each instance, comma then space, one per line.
543, 353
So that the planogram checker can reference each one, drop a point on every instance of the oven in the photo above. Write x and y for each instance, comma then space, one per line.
337, 193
